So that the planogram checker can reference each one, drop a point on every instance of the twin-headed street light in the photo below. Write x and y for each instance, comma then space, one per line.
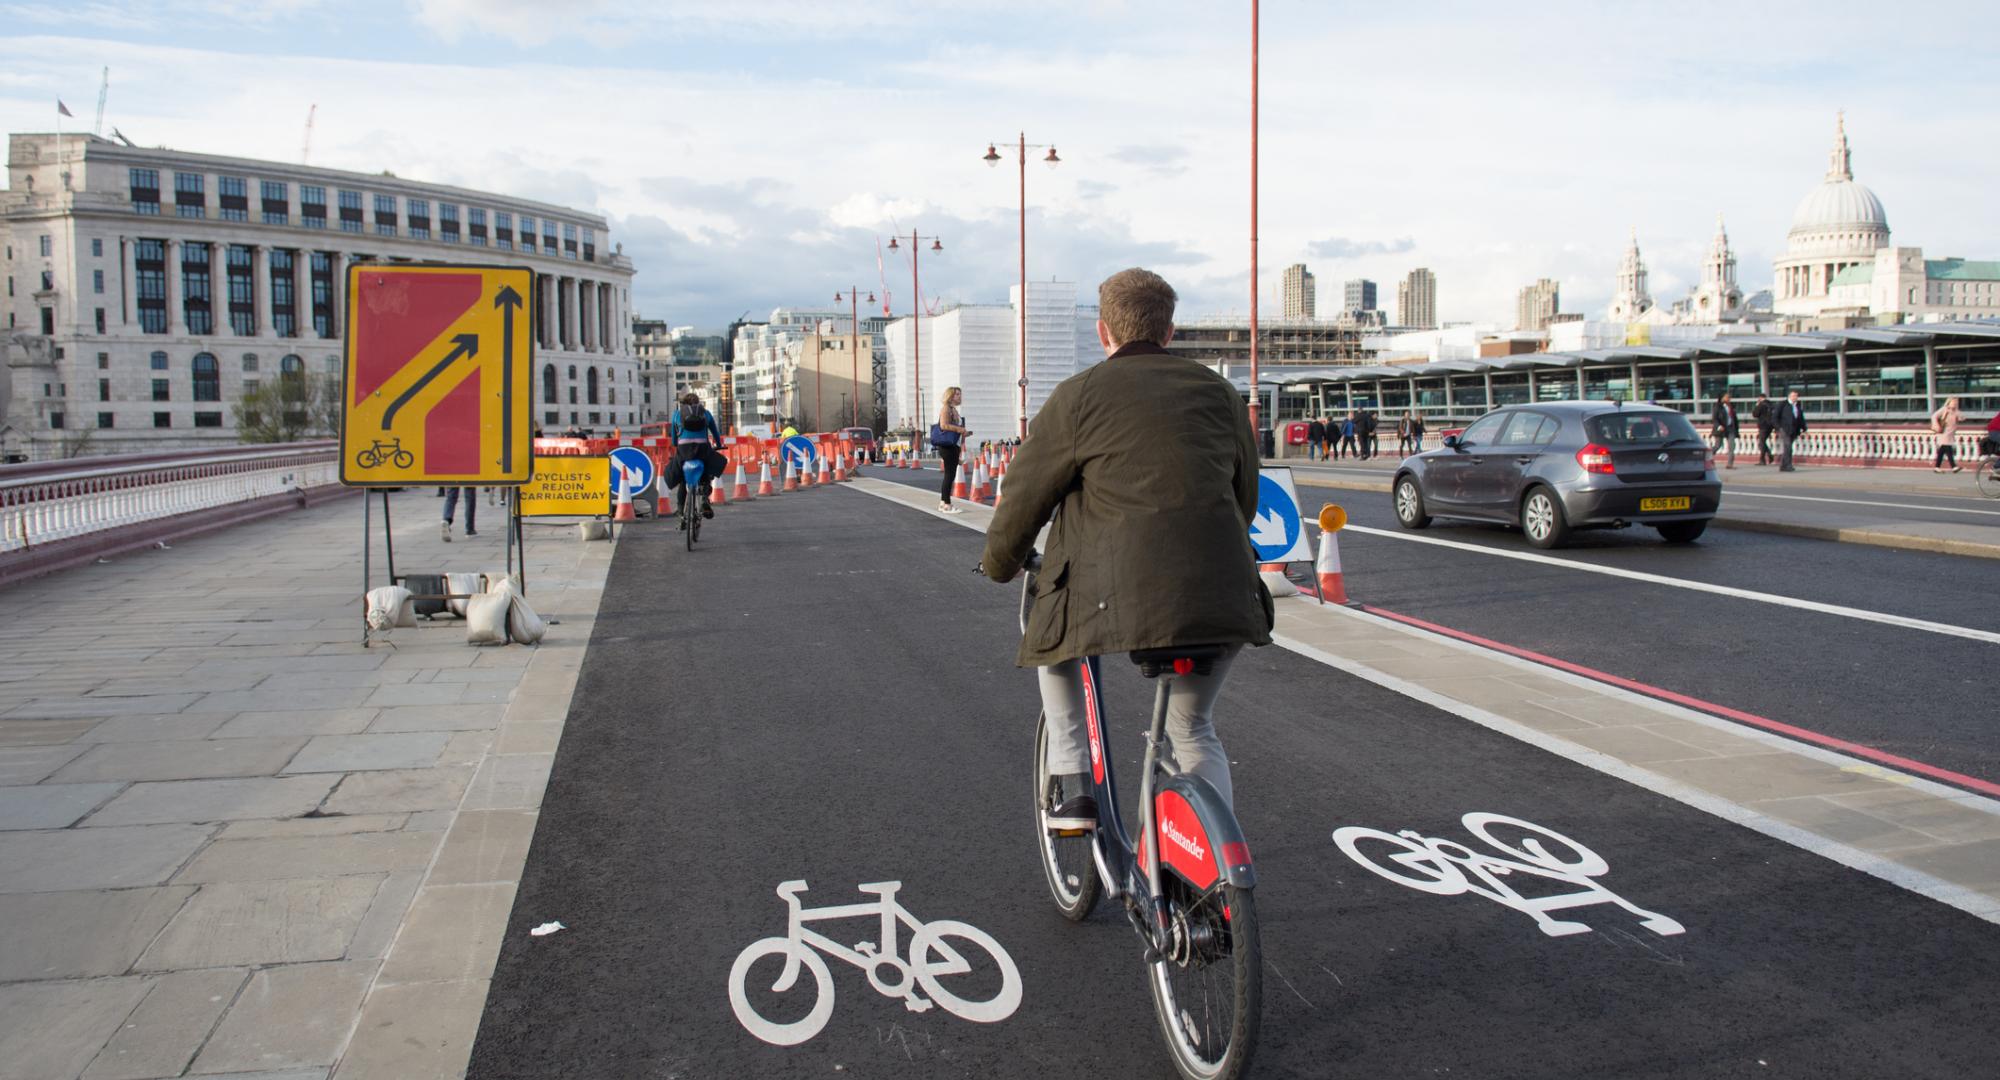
916, 327
1050, 159
854, 358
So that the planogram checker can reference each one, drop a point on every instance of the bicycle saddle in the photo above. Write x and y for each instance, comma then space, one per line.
1179, 659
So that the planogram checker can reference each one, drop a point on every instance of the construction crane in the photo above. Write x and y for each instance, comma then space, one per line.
103, 91
306, 147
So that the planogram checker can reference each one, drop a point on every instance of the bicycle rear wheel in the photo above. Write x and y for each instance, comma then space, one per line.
1987, 477
1208, 991
1067, 862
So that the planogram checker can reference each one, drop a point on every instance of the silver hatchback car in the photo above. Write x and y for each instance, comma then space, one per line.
1558, 466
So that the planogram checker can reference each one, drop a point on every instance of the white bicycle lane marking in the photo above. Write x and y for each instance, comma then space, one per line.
1734, 493
1904, 621
930, 959
1447, 868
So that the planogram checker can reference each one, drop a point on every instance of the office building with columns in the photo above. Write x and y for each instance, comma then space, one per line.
148, 289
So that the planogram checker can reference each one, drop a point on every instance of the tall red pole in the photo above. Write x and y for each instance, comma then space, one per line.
1256, 391
917, 342
854, 358
1024, 284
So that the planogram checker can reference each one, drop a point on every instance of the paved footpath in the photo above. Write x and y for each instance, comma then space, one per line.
234, 842
823, 692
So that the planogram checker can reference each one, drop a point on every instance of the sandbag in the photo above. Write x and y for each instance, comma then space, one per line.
593, 530
389, 606
463, 585
486, 618
523, 625
427, 594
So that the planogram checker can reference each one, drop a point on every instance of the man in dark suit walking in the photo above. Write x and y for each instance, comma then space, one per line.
1791, 420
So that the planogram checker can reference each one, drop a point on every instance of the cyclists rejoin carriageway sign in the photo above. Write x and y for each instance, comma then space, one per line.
439, 377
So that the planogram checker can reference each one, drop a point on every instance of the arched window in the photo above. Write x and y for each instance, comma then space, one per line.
249, 361
590, 385
548, 384
207, 378
291, 367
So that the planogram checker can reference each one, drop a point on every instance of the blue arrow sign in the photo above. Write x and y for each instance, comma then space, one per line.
800, 451
1276, 533
636, 465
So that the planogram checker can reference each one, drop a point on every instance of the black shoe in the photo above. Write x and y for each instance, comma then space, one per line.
707, 511
1076, 811
471, 532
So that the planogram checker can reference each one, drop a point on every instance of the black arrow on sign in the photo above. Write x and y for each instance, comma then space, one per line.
509, 300
468, 345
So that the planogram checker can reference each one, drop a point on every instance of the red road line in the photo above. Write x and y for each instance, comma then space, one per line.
1984, 787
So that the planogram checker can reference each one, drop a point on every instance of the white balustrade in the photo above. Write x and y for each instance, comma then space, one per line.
48, 507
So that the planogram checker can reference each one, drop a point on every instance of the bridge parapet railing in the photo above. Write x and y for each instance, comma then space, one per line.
1891, 447
49, 502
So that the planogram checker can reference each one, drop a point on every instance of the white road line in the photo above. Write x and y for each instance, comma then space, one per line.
1733, 493
1885, 618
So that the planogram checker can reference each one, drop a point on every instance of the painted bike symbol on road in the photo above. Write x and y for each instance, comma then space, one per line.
1445, 868
931, 958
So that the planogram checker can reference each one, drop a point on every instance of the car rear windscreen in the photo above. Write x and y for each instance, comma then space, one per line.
1626, 428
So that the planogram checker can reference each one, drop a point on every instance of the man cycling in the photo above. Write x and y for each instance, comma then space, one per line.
696, 436
1151, 459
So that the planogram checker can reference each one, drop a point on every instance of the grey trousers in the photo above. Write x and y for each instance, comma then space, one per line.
1191, 740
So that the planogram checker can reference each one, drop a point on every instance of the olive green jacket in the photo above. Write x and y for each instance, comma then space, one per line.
1151, 460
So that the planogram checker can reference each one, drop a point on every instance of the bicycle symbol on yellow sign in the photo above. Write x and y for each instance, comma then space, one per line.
439, 376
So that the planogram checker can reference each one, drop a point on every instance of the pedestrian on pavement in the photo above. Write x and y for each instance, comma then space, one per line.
1944, 423
1367, 434
1767, 419
1153, 464
451, 497
1791, 422
1407, 426
1350, 435
1331, 446
1315, 435
948, 437
1723, 428
1416, 432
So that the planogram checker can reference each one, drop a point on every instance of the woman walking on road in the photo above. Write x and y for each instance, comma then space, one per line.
949, 438
1723, 428
1945, 423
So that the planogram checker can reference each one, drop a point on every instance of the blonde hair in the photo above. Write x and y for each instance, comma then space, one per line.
948, 392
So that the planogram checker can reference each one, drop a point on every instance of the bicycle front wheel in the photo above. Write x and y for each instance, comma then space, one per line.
1208, 990
1987, 476
1067, 863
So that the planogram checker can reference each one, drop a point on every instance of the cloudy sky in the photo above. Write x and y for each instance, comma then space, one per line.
752, 153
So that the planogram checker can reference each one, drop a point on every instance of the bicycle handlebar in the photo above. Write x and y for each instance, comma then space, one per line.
1033, 564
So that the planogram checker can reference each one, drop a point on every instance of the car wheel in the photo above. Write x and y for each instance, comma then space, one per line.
1681, 532
1410, 504
1542, 518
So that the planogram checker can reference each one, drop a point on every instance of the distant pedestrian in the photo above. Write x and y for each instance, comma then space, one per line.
1405, 429
1767, 418
948, 437
1331, 442
1791, 422
1416, 432
1944, 424
1315, 437
1367, 434
451, 498
1350, 435
1723, 428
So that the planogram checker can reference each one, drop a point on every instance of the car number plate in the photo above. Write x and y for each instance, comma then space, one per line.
1681, 502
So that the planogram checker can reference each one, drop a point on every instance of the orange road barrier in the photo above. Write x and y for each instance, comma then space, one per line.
1331, 587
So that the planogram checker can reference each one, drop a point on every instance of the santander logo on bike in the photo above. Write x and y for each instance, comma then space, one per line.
1181, 840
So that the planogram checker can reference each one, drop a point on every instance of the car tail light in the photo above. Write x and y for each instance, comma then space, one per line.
1596, 459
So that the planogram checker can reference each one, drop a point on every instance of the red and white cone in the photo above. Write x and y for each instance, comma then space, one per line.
960, 486
1332, 590
624, 512
764, 487
824, 476
839, 467
741, 492
999, 483
717, 491
982, 484
791, 475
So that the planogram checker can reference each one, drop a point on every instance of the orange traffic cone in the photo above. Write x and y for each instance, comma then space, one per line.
839, 467
964, 481
999, 482
823, 475
764, 487
741, 491
791, 475
982, 483
716, 488
624, 512
1331, 588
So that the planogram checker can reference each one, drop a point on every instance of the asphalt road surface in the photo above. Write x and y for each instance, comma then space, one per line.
822, 691
1914, 693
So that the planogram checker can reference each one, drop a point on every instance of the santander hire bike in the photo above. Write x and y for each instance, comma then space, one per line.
1187, 885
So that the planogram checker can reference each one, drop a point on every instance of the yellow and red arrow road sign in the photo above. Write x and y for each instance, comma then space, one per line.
440, 372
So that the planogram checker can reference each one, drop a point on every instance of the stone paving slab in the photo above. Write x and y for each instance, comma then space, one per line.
215, 836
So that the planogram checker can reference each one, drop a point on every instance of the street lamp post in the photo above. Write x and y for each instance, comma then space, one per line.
916, 335
992, 158
854, 325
